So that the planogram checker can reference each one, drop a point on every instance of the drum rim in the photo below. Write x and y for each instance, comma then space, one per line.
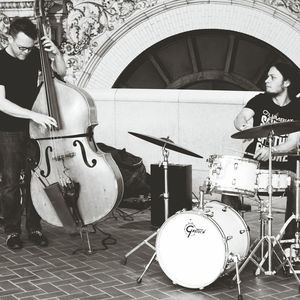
276, 171
236, 157
240, 218
233, 192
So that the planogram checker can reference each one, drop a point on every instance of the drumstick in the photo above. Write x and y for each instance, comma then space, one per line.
247, 153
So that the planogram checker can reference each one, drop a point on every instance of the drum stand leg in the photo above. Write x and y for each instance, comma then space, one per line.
139, 280
294, 255
277, 239
271, 240
166, 207
262, 227
236, 259
295, 242
144, 242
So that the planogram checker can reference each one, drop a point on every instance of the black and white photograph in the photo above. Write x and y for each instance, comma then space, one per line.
149, 149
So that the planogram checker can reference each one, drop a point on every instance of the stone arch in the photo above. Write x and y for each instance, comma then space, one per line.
259, 20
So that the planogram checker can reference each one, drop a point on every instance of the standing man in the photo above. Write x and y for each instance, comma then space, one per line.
277, 104
20, 64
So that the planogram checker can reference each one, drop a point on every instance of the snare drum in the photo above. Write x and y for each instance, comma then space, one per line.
280, 180
232, 175
193, 247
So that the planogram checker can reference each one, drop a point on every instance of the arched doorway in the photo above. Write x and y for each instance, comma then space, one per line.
202, 59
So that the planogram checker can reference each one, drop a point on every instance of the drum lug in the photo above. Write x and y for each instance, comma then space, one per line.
217, 167
211, 159
210, 214
224, 209
229, 237
208, 185
232, 257
236, 166
242, 231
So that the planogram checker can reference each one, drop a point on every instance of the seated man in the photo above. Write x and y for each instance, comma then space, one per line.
277, 104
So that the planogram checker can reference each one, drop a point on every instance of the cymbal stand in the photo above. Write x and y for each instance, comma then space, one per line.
262, 227
269, 238
295, 243
165, 195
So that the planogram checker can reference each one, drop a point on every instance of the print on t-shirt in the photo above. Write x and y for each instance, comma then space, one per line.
269, 118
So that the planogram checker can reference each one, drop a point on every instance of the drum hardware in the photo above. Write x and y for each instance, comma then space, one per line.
293, 254
236, 259
166, 206
268, 131
262, 209
166, 143
280, 181
201, 199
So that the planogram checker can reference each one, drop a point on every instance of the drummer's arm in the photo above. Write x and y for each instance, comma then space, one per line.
290, 144
244, 119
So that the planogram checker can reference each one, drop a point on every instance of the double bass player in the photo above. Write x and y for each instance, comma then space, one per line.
20, 65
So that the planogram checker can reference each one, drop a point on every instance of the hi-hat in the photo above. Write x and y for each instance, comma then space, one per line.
265, 130
165, 142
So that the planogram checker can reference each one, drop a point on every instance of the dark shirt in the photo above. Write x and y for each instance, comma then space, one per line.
267, 112
19, 77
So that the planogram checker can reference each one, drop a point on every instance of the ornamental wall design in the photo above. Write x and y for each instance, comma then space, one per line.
86, 26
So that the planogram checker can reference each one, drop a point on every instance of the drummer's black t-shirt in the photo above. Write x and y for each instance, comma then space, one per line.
267, 112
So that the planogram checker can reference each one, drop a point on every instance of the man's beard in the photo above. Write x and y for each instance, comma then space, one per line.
274, 94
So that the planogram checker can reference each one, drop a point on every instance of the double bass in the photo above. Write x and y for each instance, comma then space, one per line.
69, 163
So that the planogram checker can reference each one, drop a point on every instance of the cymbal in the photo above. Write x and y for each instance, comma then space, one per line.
264, 130
164, 142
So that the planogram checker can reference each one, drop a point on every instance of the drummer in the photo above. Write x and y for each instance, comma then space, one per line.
277, 104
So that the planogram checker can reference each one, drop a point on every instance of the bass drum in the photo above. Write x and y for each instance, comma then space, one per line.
193, 247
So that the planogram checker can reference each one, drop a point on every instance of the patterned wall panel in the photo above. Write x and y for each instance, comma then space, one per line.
83, 28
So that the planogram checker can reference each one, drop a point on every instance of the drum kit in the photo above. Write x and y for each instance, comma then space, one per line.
196, 247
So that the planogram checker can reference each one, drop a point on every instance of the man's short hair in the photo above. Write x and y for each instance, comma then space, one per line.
291, 73
23, 25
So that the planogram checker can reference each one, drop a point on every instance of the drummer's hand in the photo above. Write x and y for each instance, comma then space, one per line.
262, 154
245, 126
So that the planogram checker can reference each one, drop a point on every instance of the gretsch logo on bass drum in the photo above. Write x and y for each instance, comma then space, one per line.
190, 229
